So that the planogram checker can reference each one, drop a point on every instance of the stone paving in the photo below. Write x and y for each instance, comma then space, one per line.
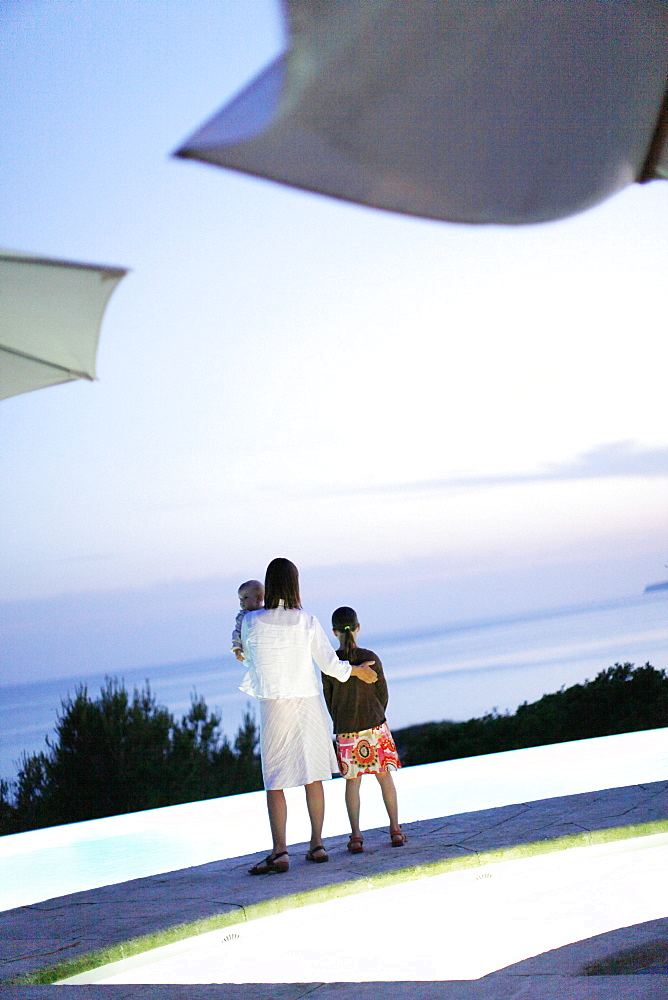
44, 933
495, 987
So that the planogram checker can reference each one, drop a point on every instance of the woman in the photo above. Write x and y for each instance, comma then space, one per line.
280, 643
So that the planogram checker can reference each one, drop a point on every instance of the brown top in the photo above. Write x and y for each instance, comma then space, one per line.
354, 705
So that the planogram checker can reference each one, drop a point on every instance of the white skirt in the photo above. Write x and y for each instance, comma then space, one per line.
295, 742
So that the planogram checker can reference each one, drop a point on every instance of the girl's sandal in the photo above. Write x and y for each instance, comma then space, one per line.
271, 865
317, 854
356, 845
398, 838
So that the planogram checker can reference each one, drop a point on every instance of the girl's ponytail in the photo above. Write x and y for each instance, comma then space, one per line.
344, 621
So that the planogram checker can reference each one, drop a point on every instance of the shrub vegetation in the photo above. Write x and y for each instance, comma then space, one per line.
117, 754
621, 699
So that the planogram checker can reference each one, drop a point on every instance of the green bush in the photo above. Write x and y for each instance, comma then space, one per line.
621, 699
117, 754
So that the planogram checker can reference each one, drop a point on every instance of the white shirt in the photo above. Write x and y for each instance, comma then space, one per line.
280, 645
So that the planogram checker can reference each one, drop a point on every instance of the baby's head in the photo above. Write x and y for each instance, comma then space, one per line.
251, 595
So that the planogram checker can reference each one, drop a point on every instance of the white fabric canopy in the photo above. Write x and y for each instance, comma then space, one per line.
50, 317
502, 111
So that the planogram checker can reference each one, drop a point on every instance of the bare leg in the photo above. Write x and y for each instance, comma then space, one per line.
278, 818
386, 783
315, 803
353, 804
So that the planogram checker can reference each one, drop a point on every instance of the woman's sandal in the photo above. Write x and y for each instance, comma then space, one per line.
398, 838
317, 854
356, 845
271, 865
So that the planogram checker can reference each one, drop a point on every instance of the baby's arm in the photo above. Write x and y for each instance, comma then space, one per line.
237, 648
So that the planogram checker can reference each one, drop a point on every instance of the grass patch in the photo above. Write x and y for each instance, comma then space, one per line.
269, 907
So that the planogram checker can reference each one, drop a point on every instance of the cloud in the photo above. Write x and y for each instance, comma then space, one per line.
619, 459
93, 557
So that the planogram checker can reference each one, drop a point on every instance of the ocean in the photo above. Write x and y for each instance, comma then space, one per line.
457, 672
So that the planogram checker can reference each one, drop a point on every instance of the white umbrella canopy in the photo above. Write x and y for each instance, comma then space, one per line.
50, 317
493, 111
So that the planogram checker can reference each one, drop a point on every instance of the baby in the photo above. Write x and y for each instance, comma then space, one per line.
251, 598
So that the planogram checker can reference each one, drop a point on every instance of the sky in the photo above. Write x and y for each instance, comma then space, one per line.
437, 421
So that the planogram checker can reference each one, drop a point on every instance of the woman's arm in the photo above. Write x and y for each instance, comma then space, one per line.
365, 673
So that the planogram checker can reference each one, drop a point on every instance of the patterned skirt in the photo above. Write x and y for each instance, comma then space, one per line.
370, 752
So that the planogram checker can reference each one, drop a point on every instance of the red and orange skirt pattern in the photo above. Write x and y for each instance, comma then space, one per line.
370, 752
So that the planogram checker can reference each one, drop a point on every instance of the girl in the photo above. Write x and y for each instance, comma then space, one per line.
364, 743
280, 644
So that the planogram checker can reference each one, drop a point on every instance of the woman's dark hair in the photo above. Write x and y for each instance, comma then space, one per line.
344, 620
281, 583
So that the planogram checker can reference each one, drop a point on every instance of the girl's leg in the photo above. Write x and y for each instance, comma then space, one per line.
353, 803
315, 803
278, 818
389, 792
